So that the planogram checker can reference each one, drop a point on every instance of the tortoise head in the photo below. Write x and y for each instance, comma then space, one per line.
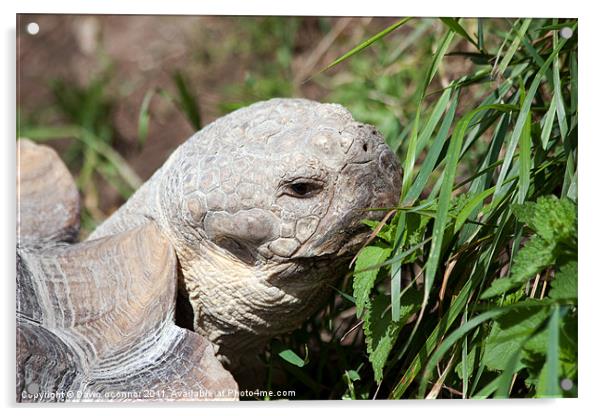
280, 180
267, 203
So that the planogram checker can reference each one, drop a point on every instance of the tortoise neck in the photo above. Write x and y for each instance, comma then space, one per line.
239, 306
139, 210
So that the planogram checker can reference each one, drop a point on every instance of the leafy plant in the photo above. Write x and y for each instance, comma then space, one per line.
469, 288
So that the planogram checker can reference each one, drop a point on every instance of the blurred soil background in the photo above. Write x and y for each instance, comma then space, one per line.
141, 85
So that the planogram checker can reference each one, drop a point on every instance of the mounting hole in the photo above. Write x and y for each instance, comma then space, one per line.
566, 32
566, 384
33, 28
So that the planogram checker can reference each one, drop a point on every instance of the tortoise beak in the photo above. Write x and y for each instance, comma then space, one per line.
387, 183
377, 182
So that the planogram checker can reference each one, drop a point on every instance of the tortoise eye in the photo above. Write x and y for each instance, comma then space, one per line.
303, 189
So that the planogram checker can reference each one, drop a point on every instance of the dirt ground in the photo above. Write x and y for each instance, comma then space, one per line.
216, 53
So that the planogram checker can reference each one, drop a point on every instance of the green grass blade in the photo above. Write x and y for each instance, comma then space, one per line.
366, 43
396, 292
454, 25
478, 273
442, 326
98, 146
410, 160
474, 203
447, 186
144, 117
560, 110
569, 171
477, 378
524, 178
465, 357
419, 29
413, 143
436, 114
574, 89
480, 35
110, 174
433, 154
344, 295
548, 122
452, 339
188, 103
522, 116
571, 192
488, 390
513, 47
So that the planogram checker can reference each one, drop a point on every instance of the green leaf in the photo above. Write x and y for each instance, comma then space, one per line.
385, 233
352, 375
554, 222
469, 362
531, 259
381, 331
568, 346
536, 255
427, 131
498, 287
510, 332
363, 281
291, 357
513, 365
548, 385
413, 226
553, 219
564, 284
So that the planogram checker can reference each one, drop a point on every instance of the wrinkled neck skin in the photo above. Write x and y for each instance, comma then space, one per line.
238, 306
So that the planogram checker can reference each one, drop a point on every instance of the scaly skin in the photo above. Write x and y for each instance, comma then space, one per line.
95, 320
263, 208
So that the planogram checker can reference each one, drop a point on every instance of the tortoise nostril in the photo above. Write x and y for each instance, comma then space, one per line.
388, 163
365, 147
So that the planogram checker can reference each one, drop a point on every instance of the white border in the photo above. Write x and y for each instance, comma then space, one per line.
590, 177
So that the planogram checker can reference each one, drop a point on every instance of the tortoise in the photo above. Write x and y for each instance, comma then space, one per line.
245, 228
